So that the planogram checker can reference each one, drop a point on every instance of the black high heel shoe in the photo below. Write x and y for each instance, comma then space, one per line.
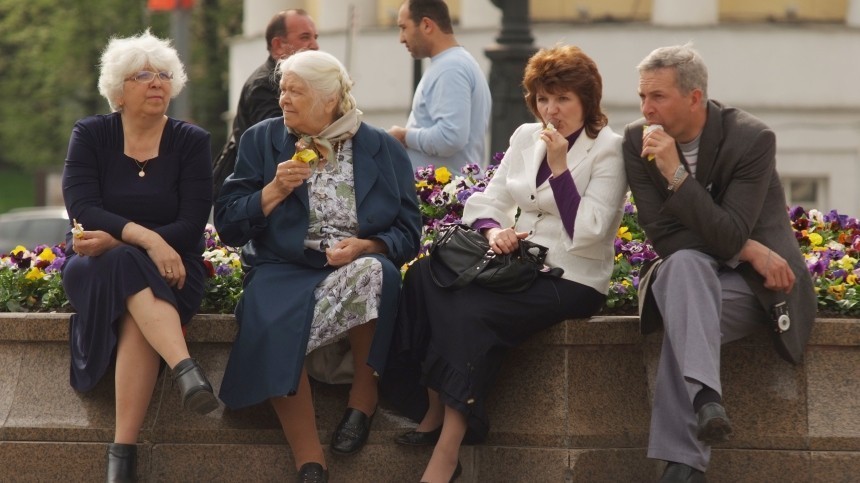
312, 473
121, 463
197, 393
419, 438
457, 472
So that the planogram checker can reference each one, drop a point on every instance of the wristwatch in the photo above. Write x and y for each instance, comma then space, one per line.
680, 172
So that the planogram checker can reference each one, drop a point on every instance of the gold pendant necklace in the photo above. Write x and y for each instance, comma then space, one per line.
141, 166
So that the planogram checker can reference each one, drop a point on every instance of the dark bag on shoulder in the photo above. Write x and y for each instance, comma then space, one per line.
224, 165
467, 254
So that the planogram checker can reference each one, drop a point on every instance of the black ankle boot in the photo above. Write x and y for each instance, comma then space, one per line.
121, 463
197, 394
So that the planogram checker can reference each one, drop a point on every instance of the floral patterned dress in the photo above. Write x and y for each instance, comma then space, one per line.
350, 295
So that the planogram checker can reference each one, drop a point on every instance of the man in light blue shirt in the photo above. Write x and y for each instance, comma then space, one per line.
451, 106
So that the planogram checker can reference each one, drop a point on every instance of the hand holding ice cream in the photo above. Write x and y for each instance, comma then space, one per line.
648, 128
77, 229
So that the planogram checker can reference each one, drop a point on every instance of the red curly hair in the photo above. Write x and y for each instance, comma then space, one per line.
566, 68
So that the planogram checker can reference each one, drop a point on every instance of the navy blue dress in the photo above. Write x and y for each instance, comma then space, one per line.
103, 191
276, 309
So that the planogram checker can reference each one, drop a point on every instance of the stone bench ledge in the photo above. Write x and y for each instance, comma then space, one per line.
572, 401
598, 330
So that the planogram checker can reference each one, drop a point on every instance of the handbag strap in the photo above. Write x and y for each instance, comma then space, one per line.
467, 276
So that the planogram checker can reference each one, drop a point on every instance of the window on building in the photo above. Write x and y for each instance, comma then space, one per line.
783, 11
806, 192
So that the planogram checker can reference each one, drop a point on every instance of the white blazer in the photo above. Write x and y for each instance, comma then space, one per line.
597, 167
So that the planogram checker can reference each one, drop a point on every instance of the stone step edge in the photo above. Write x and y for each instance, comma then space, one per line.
221, 328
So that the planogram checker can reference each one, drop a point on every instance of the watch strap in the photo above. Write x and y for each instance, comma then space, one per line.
680, 172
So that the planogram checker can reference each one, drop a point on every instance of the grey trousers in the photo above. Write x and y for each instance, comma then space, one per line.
703, 307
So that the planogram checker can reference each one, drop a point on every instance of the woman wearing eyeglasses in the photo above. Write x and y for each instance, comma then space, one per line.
140, 184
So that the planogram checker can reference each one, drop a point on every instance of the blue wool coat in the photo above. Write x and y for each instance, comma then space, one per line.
277, 304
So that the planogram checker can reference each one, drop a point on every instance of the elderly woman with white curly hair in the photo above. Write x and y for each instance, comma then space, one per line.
139, 186
330, 204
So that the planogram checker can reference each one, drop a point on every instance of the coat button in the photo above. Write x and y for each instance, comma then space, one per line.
532, 197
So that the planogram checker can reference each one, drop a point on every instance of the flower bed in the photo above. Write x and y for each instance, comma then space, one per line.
30, 279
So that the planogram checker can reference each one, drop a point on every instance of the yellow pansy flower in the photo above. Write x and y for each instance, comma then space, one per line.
851, 279
837, 291
847, 263
815, 239
47, 255
34, 274
17, 250
442, 175
624, 233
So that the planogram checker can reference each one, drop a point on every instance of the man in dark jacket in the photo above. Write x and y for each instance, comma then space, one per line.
703, 176
287, 33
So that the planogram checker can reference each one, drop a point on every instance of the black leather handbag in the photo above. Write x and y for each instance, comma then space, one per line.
464, 252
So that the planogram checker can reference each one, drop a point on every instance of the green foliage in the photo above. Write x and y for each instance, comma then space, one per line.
31, 291
222, 293
18, 189
50, 68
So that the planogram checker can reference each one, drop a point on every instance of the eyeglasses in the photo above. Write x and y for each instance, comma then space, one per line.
145, 76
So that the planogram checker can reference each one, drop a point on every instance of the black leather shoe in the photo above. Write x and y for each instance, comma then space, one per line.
419, 438
121, 463
312, 473
197, 394
457, 472
714, 425
681, 473
352, 432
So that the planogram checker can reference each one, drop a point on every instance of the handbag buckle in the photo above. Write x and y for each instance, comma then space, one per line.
489, 255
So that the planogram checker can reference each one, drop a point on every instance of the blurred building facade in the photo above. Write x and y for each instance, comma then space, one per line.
793, 63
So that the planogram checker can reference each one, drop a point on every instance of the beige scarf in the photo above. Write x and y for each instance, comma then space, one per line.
339, 131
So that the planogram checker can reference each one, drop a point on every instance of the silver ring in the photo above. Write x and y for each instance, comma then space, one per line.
169, 271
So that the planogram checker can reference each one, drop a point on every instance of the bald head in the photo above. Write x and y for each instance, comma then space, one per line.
289, 32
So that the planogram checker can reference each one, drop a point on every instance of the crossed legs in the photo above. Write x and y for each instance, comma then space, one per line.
703, 307
149, 331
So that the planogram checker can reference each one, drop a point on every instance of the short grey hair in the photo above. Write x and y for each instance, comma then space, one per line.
324, 75
690, 69
124, 56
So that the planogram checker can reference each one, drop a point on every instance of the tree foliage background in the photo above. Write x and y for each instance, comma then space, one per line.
49, 69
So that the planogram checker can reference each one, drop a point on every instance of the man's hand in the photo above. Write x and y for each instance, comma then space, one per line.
775, 270
661, 146
399, 133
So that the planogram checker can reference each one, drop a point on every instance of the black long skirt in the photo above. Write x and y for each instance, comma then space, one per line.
453, 341
98, 287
